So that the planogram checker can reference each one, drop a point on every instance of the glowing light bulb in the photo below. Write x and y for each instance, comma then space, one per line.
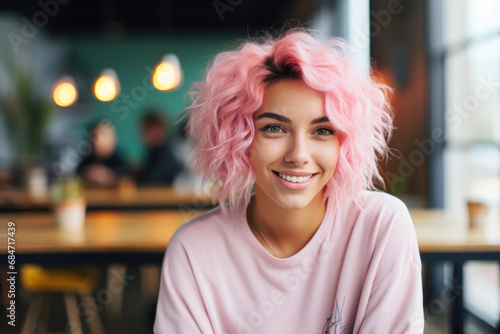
167, 74
164, 77
107, 86
64, 92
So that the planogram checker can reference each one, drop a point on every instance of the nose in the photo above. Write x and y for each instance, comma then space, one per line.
297, 151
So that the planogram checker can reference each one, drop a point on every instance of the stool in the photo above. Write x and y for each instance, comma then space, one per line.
66, 281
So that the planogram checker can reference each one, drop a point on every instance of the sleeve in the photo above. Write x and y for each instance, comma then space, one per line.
395, 301
396, 304
180, 307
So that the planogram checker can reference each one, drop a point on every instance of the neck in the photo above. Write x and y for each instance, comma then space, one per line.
288, 231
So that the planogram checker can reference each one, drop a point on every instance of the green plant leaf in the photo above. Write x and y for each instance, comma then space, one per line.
26, 115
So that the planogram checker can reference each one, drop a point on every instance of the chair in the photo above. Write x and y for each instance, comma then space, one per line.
44, 282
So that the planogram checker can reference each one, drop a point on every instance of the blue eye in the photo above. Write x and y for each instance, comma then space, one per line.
324, 132
272, 128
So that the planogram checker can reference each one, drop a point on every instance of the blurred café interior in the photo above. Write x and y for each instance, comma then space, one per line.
94, 163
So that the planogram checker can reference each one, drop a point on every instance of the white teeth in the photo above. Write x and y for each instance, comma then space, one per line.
295, 179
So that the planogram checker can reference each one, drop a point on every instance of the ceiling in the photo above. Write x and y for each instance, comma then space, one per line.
115, 16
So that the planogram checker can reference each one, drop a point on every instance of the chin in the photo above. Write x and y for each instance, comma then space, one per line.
294, 202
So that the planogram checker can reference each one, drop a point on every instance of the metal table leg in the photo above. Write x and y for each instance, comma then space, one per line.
457, 308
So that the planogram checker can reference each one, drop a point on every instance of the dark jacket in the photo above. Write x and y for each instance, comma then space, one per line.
161, 167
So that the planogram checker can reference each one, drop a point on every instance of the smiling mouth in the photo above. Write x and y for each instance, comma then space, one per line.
294, 179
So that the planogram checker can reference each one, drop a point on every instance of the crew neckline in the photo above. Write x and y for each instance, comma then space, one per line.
314, 243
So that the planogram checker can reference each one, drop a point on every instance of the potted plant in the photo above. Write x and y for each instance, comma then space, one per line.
26, 115
69, 203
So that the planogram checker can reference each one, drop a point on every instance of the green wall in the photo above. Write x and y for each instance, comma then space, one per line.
129, 57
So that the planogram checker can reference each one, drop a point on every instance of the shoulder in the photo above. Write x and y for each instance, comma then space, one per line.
197, 242
389, 209
204, 228
165, 151
391, 225
381, 202
373, 207
383, 209
378, 216
165, 147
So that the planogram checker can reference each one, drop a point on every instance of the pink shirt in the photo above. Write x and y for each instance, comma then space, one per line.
360, 273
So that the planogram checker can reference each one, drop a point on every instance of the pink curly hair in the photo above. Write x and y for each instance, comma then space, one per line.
221, 121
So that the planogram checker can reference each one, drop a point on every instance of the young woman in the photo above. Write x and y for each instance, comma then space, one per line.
289, 133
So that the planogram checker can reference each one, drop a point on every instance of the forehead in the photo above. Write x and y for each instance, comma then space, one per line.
292, 98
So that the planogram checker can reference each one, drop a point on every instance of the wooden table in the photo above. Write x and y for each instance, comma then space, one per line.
142, 198
440, 234
448, 233
108, 236
446, 236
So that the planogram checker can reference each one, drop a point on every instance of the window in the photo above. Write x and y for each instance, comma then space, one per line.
471, 38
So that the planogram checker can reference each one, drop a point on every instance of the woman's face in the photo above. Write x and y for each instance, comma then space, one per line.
295, 150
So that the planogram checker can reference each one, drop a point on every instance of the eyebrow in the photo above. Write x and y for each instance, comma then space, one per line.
287, 120
320, 120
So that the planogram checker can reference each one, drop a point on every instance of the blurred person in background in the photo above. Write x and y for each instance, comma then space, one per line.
161, 165
104, 166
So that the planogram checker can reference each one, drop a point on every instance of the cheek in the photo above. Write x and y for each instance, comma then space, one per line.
263, 153
252, 153
254, 157
329, 161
